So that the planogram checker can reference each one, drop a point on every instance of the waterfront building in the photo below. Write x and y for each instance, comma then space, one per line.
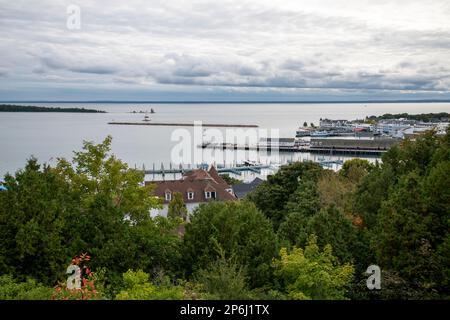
353, 144
327, 123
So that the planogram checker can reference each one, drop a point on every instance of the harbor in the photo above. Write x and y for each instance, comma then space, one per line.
138, 144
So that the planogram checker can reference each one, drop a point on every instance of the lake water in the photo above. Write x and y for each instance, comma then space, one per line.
51, 135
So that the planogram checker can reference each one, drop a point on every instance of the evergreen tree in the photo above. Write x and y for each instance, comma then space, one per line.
177, 207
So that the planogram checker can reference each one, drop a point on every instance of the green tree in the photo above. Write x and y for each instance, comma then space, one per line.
34, 215
311, 273
95, 176
177, 207
329, 225
305, 199
230, 180
355, 169
153, 246
137, 286
412, 251
405, 203
371, 192
393, 287
223, 279
237, 228
332, 227
272, 196
11, 289
293, 231
94, 203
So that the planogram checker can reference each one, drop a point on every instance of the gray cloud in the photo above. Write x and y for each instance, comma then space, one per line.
330, 45
78, 66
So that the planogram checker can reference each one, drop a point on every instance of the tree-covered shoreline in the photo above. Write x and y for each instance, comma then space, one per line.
20, 108
424, 117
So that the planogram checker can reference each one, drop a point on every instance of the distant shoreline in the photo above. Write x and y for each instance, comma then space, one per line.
19, 108
235, 102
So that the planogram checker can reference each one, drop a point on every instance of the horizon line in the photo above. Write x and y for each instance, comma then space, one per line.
233, 101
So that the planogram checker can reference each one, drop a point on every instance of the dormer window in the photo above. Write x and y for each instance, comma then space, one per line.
210, 194
190, 195
168, 196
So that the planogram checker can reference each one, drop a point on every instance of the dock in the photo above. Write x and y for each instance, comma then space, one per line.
236, 169
308, 149
215, 125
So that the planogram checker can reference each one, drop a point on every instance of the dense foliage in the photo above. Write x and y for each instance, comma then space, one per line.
236, 228
11, 289
312, 273
94, 203
137, 286
177, 207
395, 214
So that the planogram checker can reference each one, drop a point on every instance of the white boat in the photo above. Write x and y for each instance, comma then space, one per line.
320, 134
302, 133
250, 163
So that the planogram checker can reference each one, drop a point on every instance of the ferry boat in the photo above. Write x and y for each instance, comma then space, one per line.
250, 163
302, 133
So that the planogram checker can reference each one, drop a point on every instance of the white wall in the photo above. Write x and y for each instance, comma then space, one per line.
163, 212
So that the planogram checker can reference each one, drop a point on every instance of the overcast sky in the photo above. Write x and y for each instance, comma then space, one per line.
225, 50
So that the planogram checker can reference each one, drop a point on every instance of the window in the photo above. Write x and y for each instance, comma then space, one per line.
213, 194
190, 195
168, 196
207, 194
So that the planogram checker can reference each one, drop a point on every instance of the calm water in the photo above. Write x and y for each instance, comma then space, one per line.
51, 135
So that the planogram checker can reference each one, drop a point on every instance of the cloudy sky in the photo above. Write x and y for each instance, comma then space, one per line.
225, 50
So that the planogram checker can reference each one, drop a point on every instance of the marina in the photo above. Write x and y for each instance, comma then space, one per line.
236, 169
180, 169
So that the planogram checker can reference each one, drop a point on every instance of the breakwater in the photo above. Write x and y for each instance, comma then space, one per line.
174, 124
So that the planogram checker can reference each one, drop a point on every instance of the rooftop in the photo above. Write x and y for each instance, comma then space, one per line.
242, 189
193, 186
